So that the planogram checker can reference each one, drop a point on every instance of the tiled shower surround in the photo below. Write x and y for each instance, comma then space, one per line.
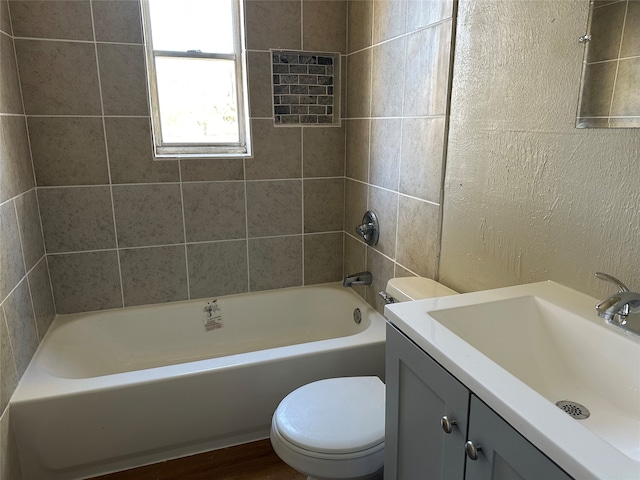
83, 202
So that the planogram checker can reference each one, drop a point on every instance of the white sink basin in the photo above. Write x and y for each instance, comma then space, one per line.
522, 349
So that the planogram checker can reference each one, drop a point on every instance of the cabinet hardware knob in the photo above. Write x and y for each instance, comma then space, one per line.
472, 450
447, 425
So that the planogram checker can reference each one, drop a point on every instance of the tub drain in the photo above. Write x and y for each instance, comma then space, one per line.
577, 411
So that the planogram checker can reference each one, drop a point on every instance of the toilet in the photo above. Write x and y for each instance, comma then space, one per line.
334, 428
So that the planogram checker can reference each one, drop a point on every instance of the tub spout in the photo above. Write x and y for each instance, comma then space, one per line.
362, 278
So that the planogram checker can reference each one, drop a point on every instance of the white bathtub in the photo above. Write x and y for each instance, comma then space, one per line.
116, 389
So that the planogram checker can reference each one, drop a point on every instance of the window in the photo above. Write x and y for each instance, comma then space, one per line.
195, 63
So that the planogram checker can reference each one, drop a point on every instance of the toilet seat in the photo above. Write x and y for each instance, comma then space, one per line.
336, 417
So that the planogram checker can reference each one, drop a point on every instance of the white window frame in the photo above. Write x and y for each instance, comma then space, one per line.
162, 149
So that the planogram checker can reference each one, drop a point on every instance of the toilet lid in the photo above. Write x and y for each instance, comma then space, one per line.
336, 415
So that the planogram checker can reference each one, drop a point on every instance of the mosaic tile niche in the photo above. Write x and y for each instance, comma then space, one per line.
304, 88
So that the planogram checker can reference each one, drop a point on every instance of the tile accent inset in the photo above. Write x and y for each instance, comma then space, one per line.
304, 87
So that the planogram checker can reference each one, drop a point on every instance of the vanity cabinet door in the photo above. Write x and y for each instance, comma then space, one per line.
504, 454
419, 393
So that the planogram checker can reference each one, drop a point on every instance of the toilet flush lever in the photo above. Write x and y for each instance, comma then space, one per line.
369, 229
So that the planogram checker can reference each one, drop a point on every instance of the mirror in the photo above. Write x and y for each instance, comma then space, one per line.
610, 92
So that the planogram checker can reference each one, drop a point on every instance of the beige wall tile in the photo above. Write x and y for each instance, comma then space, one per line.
42, 297
388, 75
626, 96
609, 44
386, 144
30, 229
385, 204
389, 19
85, 281
68, 151
217, 269
359, 85
323, 205
323, 151
21, 323
360, 25
355, 204
8, 373
273, 24
214, 211
131, 153
260, 80
11, 259
418, 236
16, 172
154, 275
631, 37
427, 73
5, 22
274, 208
123, 79
58, 78
601, 77
76, 218
355, 260
60, 19
148, 214
325, 25
275, 262
277, 151
194, 170
322, 258
357, 161
10, 96
117, 21
422, 154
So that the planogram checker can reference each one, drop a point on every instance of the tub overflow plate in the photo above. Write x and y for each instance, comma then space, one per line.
357, 316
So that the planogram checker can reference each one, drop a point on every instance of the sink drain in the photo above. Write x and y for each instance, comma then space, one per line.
577, 411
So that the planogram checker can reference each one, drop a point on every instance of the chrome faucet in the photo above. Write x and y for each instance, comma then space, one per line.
618, 306
362, 278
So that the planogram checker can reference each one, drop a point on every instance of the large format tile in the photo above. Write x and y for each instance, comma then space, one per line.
277, 152
360, 13
275, 262
131, 153
5, 21
259, 77
214, 211
117, 21
421, 13
357, 155
123, 79
389, 19
355, 204
154, 275
382, 270
148, 214
85, 281
208, 169
386, 143
355, 260
323, 205
21, 323
325, 25
418, 236
10, 96
16, 172
11, 262
359, 84
218, 268
323, 151
58, 78
30, 228
274, 207
385, 204
59, 19
8, 373
323, 258
76, 218
68, 151
273, 24
387, 78
42, 298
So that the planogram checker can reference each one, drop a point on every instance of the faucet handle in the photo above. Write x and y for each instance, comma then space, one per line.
611, 279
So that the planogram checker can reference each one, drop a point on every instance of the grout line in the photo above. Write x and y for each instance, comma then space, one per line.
106, 146
77, 40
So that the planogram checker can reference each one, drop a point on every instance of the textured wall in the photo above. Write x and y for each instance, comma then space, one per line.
121, 229
528, 196
397, 85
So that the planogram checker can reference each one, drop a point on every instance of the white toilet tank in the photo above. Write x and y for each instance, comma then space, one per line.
404, 289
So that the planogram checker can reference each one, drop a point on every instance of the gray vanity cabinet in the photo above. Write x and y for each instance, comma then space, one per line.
419, 393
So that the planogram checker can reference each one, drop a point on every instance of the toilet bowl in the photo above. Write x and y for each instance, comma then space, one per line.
334, 428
